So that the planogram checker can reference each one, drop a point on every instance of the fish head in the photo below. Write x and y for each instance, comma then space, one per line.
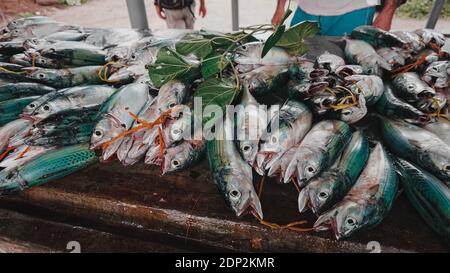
308, 165
355, 113
242, 198
329, 61
253, 49
48, 108
322, 103
11, 181
105, 130
320, 191
44, 76
172, 94
248, 149
175, 159
344, 219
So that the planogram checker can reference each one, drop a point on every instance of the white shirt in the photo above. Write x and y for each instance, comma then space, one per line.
334, 7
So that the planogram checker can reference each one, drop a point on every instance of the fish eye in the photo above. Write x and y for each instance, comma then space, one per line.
447, 168
346, 113
41, 76
244, 47
369, 71
350, 221
133, 57
274, 139
175, 163
32, 105
323, 195
235, 194
410, 87
247, 148
177, 131
46, 108
310, 169
171, 105
98, 133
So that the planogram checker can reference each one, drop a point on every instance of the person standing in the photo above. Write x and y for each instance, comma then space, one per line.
179, 13
340, 17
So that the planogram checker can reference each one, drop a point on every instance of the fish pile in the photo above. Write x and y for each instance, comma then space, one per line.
345, 130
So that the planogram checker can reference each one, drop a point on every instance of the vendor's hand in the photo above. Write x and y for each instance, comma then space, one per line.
276, 19
382, 22
160, 12
202, 11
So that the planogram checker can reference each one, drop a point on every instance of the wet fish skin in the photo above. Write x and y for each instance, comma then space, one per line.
377, 37
18, 127
410, 87
390, 105
331, 186
319, 149
47, 167
182, 156
417, 145
23, 89
441, 128
368, 201
232, 175
429, 196
11, 109
361, 53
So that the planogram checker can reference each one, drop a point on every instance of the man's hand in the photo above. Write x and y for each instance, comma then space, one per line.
160, 12
202, 9
279, 12
384, 18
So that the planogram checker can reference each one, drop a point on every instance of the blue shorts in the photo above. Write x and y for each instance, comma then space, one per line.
337, 25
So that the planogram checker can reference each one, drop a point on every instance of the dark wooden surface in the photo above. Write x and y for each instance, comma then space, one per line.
185, 212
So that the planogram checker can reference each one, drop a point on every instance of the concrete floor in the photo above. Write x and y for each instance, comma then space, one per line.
113, 13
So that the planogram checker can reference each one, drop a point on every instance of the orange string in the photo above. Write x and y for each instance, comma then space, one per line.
23, 153
5, 153
261, 186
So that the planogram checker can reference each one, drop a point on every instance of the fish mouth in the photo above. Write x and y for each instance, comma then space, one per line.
426, 94
251, 206
31, 118
326, 222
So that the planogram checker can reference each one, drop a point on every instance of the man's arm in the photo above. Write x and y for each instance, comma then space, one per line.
384, 18
159, 11
279, 12
202, 10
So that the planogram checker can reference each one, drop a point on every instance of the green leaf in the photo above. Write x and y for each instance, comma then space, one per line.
276, 35
214, 64
170, 65
199, 47
272, 40
293, 39
217, 91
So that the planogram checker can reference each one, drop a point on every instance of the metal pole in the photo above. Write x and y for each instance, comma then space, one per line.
235, 15
435, 12
137, 13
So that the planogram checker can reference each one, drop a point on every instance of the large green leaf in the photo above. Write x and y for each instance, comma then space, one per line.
199, 47
170, 65
276, 35
293, 39
217, 91
214, 64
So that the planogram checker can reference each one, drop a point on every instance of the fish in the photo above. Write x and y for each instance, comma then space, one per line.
250, 54
410, 87
278, 169
182, 156
390, 105
11, 109
370, 86
413, 41
73, 99
377, 37
329, 61
354, 113
286, 128
18, 127
321, 103
436, 74
429, 196
64, 78
74, 53
232, 175
367, 202
418, 146
393, 56
349, 70
319, 149
251, 123
361, 53
325, 190
265, 79
115, 116
441, 128
171, 94
47, 167
431, 36
23, 89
